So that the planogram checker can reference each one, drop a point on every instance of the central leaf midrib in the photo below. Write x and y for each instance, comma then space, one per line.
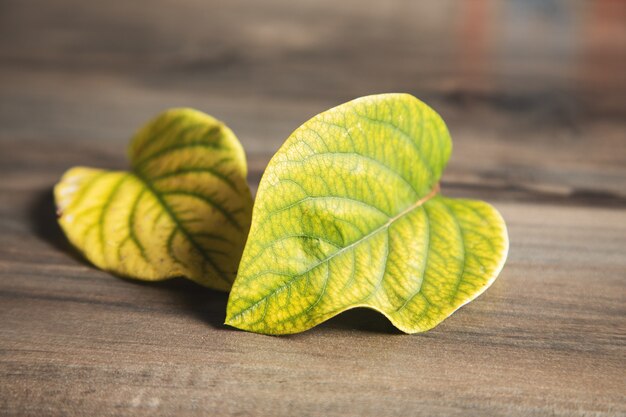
434, 191
180, 227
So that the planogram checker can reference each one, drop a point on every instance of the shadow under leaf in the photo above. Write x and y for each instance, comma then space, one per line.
205, 304
362, 319
44, 225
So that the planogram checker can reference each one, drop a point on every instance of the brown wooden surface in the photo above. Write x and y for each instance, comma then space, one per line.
534, 94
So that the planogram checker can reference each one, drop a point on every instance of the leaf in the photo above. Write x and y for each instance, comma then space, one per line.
184, 210
348, 214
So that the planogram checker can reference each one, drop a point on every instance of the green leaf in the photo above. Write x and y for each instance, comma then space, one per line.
348, 214
184, 210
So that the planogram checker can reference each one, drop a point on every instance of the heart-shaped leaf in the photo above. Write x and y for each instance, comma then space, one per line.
348, 214
183, 210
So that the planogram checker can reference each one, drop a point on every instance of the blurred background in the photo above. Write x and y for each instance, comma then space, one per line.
533, 91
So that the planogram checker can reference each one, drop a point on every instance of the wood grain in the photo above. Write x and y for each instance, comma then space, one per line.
537, 119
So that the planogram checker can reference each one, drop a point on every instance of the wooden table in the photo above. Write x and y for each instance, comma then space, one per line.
534, 94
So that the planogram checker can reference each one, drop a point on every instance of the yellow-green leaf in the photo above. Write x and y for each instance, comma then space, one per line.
183, 210
348, 214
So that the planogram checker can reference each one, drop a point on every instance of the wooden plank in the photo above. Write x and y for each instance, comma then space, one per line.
548, 337
548, 113
537, 118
